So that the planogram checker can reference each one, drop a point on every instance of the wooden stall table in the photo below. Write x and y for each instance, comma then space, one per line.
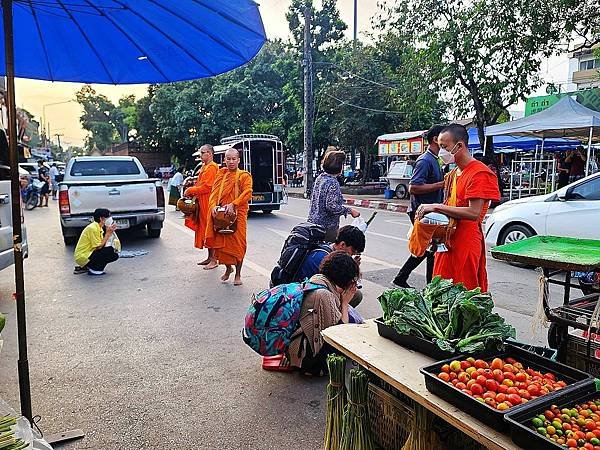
399, 367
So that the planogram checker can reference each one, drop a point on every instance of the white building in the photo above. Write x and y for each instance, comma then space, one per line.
584, 68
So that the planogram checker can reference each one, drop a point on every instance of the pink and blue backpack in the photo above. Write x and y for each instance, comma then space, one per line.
273, 316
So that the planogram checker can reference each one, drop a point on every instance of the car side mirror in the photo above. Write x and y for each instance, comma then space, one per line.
567, 196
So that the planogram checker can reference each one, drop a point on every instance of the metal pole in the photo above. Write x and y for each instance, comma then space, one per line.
589, 154
23, 364
355, 19
308, 102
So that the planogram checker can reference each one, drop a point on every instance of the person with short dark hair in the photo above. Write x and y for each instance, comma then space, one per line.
349, 240
53, 173
426, 186
577, 160
321, 309
470, 188
92, 254
326, 201
43, 175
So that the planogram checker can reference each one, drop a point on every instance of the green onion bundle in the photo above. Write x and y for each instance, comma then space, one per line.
336, 399
7, 435
356, 432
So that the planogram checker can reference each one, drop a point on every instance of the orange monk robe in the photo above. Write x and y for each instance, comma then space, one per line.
464, 261
230, 248
201, 191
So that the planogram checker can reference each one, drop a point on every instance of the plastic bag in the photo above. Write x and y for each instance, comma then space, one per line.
360, 223
23, 429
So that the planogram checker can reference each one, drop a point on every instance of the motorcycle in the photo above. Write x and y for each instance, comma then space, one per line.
31, 194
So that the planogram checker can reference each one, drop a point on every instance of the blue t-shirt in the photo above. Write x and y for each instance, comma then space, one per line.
427, 171
311, 264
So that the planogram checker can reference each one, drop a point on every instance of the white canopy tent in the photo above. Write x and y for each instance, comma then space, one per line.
566, 118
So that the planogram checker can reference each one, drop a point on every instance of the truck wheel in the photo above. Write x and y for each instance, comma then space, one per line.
70, 240
401, 191
153, 232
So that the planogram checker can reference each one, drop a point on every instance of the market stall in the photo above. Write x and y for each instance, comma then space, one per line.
446, 373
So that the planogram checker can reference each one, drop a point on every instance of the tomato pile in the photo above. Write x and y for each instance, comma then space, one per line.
500, 384
575, 428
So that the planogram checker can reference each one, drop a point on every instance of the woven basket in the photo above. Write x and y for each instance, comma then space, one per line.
391, 419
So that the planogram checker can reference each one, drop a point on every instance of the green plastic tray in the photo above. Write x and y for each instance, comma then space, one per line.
552, 252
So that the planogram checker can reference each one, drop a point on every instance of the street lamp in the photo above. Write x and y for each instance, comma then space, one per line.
44, 124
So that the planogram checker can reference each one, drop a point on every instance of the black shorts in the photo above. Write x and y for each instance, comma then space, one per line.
45, 189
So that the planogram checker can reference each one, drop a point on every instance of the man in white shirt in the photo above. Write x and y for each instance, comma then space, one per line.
53, 181
175, 184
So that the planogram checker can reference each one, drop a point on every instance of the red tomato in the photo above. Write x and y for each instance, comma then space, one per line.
498, 376
550, 376
510, 360
500, 397
521, 377
452, 376
512, 390
481, 364
508, 368
533, 389
460, 386
468, 392
491, 402
464, 365
446, 368
515, 399
509, 375
503, 388
481, 380
524, 393
488, 374
476, 389
463, 377
444, 376
590, 425
497, 363
491, 385
470, 384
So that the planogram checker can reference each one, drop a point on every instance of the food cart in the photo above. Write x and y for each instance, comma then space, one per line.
574, 324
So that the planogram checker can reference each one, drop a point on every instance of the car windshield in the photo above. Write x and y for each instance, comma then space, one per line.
100, 168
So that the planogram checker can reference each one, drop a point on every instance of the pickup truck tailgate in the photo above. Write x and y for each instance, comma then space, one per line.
117, 197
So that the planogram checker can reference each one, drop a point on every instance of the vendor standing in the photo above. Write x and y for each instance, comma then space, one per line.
471, 186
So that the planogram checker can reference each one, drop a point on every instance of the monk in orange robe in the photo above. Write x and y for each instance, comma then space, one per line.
201, 191
471, 187
233, 190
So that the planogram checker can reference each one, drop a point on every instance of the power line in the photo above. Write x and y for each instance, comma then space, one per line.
346, 103
355, 75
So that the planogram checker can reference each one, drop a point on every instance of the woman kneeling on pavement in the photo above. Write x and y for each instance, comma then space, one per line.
323, 308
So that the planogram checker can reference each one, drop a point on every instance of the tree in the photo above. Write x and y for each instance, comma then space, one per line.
491, 49
97, 118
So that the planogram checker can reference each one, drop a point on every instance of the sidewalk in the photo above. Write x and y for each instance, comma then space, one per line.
364, 201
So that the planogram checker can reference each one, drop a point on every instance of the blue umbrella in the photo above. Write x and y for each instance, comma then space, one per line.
114, 42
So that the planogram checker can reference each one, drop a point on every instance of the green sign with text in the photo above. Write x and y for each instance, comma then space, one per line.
589, 98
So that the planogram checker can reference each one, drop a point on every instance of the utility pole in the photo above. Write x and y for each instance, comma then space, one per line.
308, 103
354, 40
58, 139
355, 21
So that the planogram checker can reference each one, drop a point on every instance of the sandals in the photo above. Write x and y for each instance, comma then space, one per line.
277, 363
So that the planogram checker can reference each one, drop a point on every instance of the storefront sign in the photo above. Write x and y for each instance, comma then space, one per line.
589, 98
409, 147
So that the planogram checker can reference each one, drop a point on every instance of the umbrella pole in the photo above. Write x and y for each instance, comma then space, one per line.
23, 363
15, 191
589, 153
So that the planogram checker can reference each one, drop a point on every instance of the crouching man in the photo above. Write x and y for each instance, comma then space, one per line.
96, 247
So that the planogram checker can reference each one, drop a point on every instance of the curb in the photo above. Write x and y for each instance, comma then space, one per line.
376, 204
372, 204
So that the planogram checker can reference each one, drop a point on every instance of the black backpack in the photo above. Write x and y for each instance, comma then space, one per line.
304, 238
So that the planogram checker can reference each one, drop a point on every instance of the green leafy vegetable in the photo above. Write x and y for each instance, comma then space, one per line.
448, 314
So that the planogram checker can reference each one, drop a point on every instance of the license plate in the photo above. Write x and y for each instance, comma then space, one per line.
122, 223
258, 198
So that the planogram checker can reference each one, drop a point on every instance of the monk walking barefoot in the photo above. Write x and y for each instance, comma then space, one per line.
232, 190
201, 191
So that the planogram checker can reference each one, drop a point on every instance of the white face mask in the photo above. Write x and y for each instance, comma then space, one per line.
447, 156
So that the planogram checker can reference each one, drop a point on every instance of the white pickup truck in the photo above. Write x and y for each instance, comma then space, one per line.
118, 183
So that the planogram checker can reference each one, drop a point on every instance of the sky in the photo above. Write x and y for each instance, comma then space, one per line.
63, 118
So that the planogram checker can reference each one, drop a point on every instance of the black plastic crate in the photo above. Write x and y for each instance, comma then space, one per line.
519, 421
488, 415
415, 343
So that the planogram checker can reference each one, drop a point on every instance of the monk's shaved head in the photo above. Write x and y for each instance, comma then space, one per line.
232, 159
231, 152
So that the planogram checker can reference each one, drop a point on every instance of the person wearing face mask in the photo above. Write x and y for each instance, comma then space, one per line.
470, 188
426, 186
92, 254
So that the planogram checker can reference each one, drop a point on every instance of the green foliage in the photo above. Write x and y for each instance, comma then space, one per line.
453, 317
490, 50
